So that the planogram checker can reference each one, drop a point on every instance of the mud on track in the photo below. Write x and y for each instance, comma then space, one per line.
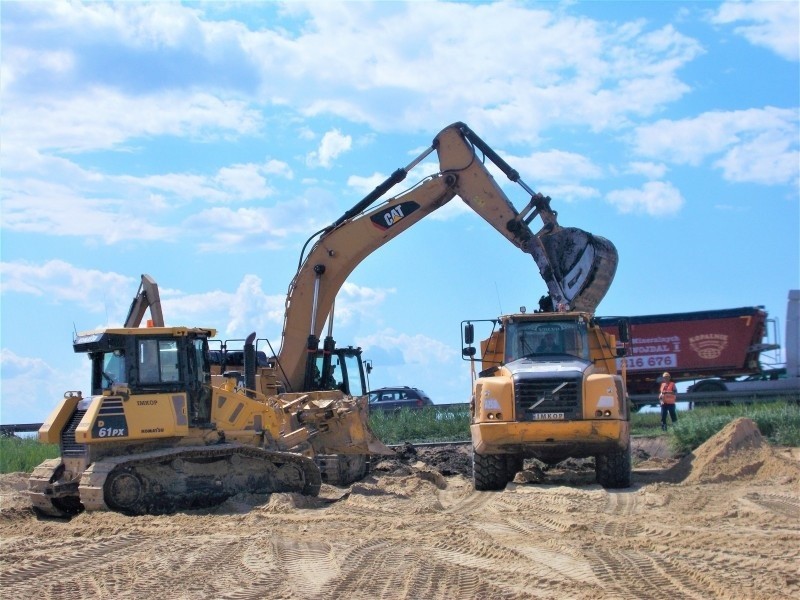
723, 522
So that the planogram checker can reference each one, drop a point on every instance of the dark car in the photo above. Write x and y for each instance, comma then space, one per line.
396, 398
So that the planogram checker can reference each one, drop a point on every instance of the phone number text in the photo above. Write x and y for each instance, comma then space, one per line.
654, 361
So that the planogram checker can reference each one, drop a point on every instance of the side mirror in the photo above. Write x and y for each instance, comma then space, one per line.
624, 331
621, 352
469, 352
469, 334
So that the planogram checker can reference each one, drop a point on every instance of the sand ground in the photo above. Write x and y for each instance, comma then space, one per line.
723, 522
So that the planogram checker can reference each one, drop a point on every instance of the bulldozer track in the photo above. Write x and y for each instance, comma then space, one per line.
164, 481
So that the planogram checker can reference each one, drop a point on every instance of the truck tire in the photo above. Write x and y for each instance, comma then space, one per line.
489, 471
613, 469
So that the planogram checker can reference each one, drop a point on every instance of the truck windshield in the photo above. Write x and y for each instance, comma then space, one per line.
534, 339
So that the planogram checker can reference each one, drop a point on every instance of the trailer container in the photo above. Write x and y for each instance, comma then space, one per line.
723, 343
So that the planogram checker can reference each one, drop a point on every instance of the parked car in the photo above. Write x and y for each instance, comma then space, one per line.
396, 398
774, 380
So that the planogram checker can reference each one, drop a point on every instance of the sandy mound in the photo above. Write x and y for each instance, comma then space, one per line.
13, 492
738, 451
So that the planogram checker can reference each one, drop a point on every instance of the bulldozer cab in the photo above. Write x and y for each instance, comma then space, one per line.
151, 361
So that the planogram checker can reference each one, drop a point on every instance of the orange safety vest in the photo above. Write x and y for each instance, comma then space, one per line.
668, 391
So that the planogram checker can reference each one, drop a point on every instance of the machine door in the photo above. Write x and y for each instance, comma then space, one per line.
198, 382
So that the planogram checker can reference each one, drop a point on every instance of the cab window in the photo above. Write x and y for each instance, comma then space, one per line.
158, 361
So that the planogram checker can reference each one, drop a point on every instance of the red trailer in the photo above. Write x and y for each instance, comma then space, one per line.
692, 345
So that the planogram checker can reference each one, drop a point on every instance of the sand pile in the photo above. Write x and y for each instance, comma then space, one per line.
738, 451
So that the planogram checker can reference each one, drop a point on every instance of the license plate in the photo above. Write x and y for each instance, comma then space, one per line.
548, 416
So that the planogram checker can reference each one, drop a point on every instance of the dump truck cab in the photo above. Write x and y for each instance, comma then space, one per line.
547, 389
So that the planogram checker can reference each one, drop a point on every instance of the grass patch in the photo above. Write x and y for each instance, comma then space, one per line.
24, 454
428, 424
778, 422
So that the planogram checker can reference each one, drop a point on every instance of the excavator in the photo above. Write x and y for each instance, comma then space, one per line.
576, 266
164, 429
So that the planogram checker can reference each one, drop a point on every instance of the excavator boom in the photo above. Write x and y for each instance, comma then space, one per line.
577, 267
146, 297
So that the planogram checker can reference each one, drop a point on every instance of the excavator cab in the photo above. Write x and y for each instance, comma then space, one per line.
344, 372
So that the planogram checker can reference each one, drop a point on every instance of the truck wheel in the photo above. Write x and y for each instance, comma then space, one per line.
613, 469
489, 471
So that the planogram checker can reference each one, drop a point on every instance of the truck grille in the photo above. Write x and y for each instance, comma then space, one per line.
552, 395
69, 447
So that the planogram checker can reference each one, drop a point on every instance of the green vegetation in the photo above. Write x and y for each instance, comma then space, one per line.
24, 454
778, 422
429, 424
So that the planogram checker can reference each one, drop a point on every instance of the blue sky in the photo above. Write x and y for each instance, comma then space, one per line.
203, 143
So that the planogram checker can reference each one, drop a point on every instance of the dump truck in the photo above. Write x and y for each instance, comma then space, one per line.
548, 389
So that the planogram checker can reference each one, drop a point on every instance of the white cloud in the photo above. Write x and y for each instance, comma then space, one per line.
364, 185
226, 229
771, 25
648, 169
332, 145
357, 301
767, 159
101, 118
37, 206
655, 198
61, 282
44, 385
374, 70
555, 166
59, 198
244, 181
23, 62
251, 309
568, 192
419, 350
768, 135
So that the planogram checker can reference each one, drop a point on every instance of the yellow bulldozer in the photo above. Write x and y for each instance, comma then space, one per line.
163, 429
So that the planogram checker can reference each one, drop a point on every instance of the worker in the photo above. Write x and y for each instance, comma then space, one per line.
667, 396
548, 345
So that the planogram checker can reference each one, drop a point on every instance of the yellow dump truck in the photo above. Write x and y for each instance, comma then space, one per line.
547, 388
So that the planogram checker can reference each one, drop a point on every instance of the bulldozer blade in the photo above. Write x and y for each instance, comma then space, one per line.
583, 264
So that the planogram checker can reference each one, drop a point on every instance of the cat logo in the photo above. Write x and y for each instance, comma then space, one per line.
394, 214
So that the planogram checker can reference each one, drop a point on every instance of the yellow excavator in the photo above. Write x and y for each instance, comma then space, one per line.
167, 427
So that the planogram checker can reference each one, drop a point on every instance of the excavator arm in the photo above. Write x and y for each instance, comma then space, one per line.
576, 266
146, 297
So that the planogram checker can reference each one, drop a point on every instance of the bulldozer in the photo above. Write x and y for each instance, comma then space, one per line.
166, 427
156, 436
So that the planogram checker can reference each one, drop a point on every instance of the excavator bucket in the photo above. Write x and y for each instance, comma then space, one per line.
583, 264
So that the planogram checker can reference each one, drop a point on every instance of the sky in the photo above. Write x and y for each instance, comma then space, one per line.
203, 143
